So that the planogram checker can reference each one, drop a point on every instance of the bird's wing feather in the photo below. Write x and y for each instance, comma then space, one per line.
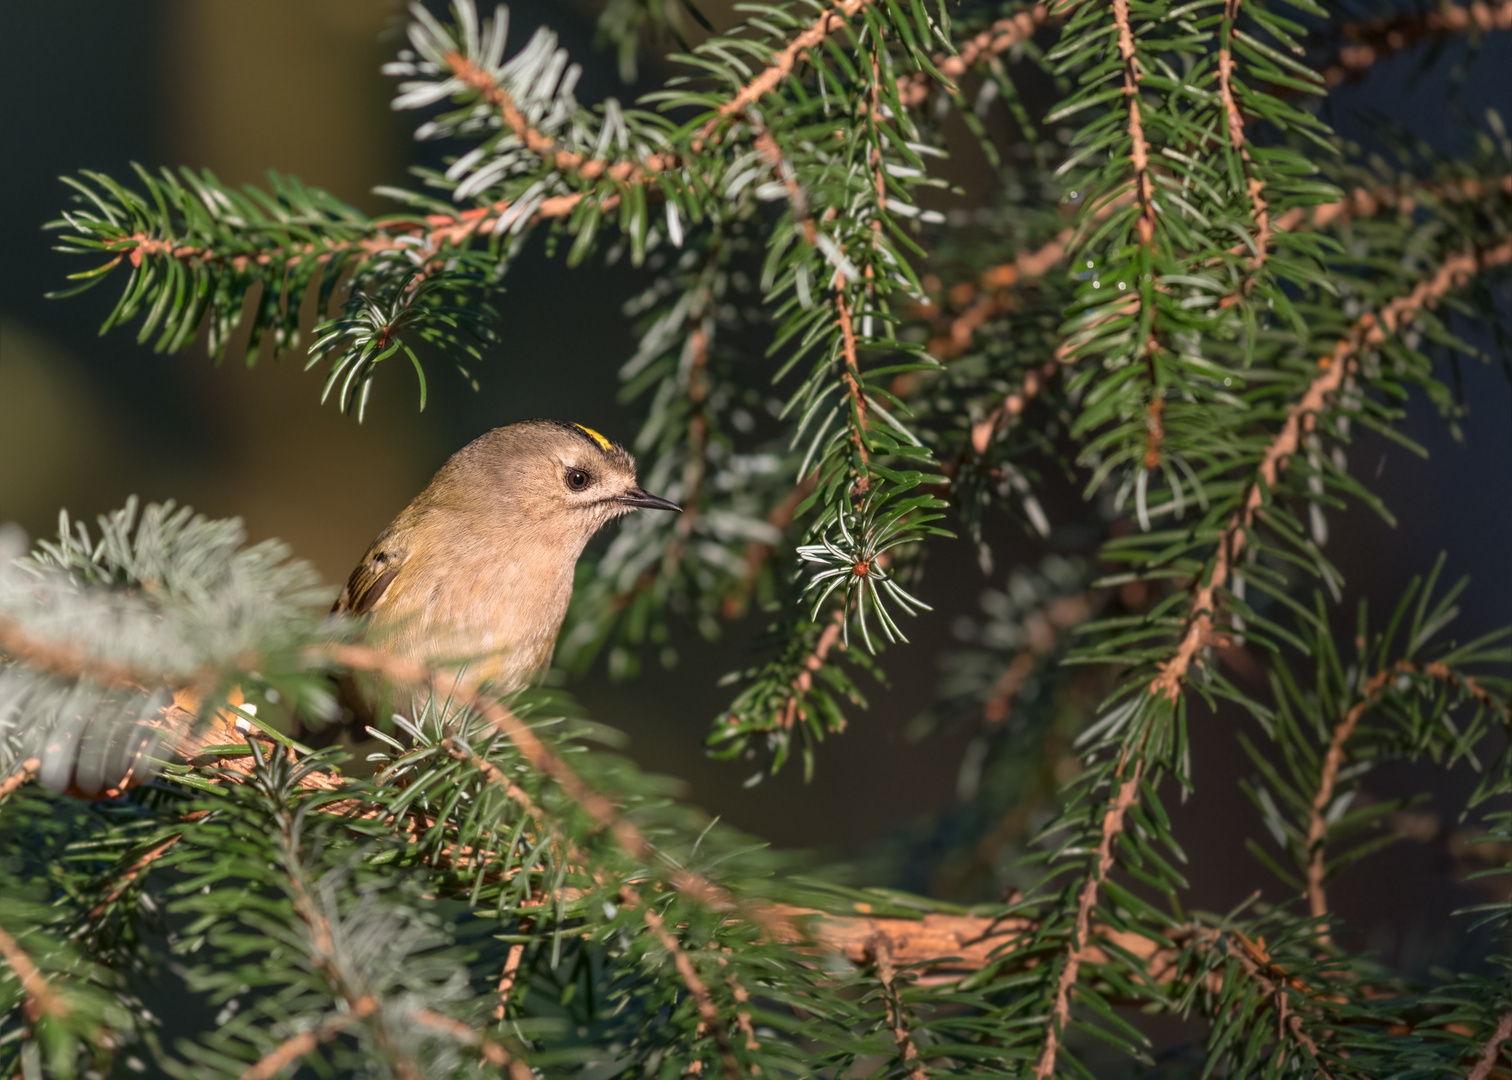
372, 577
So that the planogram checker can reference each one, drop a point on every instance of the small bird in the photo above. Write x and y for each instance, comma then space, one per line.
479, 567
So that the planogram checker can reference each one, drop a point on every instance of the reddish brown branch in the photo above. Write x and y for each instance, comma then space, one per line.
27, 770
804, 682
291, 1050
1333, 761
508, 978
41, 999
1256, 962
66, 661
782, 64
134, 871
1139, 153
1317, 820
995, 40
852, 376
1081, 936
1368, 332
489, 1050
708, 1013
1492, 1049
902, 1037
544, 146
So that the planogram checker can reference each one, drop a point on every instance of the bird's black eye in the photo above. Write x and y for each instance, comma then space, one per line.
577, 479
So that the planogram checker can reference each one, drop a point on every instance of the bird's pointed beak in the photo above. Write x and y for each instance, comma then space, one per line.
639, 497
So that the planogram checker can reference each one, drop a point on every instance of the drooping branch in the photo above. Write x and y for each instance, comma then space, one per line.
1257, 963
908, 1052
708, 1013
1333, 760
489, 1050
1369, 331
41, 999
1079, 946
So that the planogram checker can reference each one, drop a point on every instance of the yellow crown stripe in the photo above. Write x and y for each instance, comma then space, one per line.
595, 436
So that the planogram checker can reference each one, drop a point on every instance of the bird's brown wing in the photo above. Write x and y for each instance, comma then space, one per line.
369, 581
372, 577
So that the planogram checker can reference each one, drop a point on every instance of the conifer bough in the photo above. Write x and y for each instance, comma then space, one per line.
1191, 296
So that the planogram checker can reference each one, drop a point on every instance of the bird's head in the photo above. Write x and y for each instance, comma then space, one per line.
549, 474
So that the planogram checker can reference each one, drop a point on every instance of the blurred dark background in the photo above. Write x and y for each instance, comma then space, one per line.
294, 85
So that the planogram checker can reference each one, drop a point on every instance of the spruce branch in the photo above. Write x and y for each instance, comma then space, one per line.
1077, 949
709, 1017
1492, 1049
887, 976
781, 66
1369, 331
41, 999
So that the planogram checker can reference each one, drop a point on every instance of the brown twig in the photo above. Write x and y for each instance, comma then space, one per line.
292, 1049
997, 39
12, 782
1317, 820
803, 682
134, 871
491, 1051
1112, 826
544, 146
1139, 153
1369, 331
1256, 961
886, 975
1235, 119
67, 661
41, 999
1333, 761
708, 1012
1492, 1049
852, 376
508, 979
782, 65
